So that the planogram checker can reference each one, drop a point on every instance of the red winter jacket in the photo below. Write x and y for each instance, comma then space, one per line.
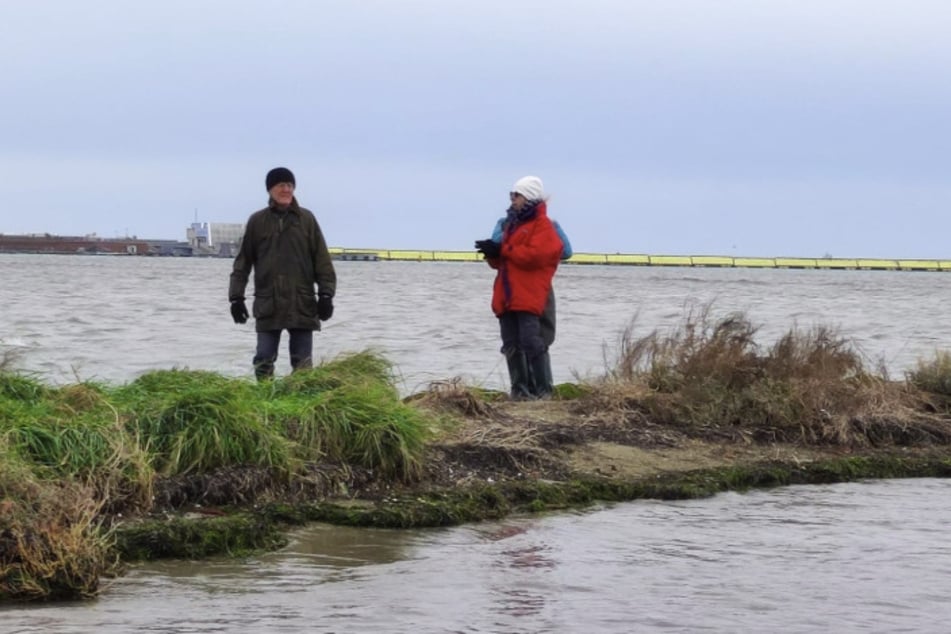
526, 265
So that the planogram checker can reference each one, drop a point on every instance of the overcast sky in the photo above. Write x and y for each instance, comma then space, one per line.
734, 127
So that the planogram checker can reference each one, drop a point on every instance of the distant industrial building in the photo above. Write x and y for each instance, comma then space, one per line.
88, 245
219, 238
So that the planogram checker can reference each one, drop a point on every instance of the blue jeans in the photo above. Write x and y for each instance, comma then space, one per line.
301, 348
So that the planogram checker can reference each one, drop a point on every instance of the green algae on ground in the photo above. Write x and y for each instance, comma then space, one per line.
495, 500
262, 528
196, 537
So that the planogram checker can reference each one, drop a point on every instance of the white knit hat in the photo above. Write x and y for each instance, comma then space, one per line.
530, 187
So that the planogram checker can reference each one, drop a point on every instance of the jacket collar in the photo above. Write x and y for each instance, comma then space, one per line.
293, 207
526, 213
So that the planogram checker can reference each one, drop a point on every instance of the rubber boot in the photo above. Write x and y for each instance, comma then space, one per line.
540, 369
519, 375
264, 371
302, 364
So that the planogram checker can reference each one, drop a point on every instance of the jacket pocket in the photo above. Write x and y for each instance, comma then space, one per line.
307, 302
263, 306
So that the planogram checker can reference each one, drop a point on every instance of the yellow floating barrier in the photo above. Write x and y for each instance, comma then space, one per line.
919, 265
669, 260
589, 258
877, 265
796, 263
413, 256
758, 263
710, 260
836, 263
621, 258
639, 259
456, 256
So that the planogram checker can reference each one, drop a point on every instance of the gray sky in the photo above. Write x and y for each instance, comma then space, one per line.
734, 127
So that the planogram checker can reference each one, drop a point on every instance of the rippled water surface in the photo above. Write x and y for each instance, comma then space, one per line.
860, 557
112, 318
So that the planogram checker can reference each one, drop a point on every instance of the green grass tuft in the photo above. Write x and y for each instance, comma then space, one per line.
360, 367
198, 421
934, 375
383, 434
22, 388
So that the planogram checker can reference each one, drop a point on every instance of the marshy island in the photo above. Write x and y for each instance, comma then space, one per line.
188, 464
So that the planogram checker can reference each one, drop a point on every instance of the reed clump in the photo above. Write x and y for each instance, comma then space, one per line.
710, 378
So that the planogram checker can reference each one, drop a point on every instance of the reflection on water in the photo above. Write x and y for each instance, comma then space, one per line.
859, 557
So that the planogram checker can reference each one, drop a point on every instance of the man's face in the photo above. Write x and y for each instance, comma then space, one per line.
282, 193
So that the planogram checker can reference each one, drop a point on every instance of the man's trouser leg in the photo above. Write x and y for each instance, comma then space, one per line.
301, 348
266, 353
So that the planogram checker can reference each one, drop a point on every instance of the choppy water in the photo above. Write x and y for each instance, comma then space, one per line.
842, 558
861, 557
112, 318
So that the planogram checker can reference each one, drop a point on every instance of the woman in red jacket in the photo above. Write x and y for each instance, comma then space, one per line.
525, 262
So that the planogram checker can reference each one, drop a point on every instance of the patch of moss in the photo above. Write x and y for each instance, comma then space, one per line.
493, 501
195, 538
570, 391
262, 528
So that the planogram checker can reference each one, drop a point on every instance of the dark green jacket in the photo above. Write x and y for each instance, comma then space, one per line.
289, 256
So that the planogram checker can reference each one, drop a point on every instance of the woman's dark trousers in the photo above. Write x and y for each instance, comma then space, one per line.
526, 355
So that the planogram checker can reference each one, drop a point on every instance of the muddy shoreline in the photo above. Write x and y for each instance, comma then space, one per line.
500, 459
191, 464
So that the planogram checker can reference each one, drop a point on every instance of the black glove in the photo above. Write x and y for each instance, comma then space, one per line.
488, 248
239, 312
325, 307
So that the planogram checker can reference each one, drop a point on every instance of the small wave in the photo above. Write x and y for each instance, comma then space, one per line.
14, 342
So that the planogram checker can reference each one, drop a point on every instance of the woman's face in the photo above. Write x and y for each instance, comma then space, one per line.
518, 201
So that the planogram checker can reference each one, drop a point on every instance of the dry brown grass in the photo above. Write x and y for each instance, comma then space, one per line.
50, 543
80, 397
454, 396
712, 379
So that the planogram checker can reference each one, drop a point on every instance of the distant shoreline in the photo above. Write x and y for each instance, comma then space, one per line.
92, 245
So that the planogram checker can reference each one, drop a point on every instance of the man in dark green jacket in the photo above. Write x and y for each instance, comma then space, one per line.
284, 245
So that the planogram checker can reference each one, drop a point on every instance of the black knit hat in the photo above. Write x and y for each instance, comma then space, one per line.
279, 175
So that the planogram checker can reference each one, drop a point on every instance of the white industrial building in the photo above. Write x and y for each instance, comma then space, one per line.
215, 236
